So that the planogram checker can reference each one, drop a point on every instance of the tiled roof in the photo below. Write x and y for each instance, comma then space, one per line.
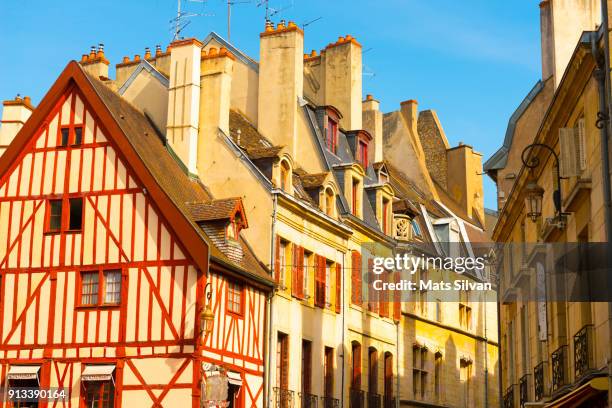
221, 209
313, 180
244, 134
182, 189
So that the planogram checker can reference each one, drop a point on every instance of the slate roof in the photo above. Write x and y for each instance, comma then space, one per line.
171, 176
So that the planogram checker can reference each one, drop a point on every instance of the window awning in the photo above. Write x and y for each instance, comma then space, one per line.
23, 372
97, 372
234, 378
581, 394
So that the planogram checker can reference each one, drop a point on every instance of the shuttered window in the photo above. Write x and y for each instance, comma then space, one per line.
338, 288
320, 281
356, 278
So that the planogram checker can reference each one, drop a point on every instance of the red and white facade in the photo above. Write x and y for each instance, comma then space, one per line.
101, 288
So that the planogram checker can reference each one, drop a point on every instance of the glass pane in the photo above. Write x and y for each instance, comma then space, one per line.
112, 281
65, 132
89, 288
76, 214
78, 135
55, 215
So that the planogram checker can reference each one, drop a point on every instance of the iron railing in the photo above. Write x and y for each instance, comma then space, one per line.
356, 398
524, 390
509, 397
283, 398
389, 402
374, 400
559, 368
583, 351
539, 381
308, 400
329, 402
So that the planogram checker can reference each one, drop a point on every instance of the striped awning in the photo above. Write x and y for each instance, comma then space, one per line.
97, 372
23, 372
581, 394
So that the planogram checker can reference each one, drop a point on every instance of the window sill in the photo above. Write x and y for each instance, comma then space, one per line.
98, 307
63, 232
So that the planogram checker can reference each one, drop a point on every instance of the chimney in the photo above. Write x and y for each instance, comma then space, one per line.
409, 111
343, 80
95, 63
215, 97
464, 179
281, 78
546, 40
372, 119
184, 101
14, 115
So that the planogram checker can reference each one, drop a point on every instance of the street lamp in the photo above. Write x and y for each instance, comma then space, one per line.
207, 317
533, 200
535, 193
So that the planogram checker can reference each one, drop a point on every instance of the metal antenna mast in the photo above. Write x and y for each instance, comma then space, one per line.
304, 25
182, 18
230, 3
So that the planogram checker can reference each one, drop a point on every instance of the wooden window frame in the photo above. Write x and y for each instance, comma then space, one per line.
64, 216
362, 152
356, 282
331, 136
306, 368
101, 304
328, 371
49, 205
71, 139
356, 368
228, 293
100, 385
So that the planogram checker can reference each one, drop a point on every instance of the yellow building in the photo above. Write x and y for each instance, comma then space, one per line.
555, 344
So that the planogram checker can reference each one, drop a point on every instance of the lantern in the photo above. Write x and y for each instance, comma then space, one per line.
533, 200
207, 319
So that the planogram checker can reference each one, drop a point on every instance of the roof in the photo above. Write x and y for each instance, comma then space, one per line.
245, 135
314, 180
241, 56
144, 65
221, 209
165, 180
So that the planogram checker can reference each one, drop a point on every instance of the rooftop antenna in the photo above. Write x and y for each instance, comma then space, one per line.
230, 3
270, 11
367, 71
304, 25
182, 18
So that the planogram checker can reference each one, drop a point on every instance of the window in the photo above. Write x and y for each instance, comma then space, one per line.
356, 366
386, 209
330, 202
388, 379
328, 369
421, 295
437, 374
285, 174
419, 372
332, 135
372, 370
100, 288
306, 367
465, 312
234, 298
75, 221
64, 134
328, 271
23, 383
99, 394
465, 376
416, 229
362, 153
282, 361
71, 136
307, 260
71, 210
356, 278
355, 197
55, 216
78, 135
282, 264
320, 284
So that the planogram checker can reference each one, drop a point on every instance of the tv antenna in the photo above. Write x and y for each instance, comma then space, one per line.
230, 3
182, 18
306, 24
271, 11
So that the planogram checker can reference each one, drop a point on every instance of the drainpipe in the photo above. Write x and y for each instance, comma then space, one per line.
486, 356
343, 311
397, 360
268, 346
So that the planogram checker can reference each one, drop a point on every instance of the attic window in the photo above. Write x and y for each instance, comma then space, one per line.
285, 176
386, 212
330, 201
332, 134
362, 153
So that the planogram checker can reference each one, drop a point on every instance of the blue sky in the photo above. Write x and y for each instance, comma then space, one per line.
472, 61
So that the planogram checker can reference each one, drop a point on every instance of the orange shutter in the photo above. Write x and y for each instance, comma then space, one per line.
300, 272
338, 288
384, 295
320, 281
397, 300
372, 294
294, 270
277, 264
356, 277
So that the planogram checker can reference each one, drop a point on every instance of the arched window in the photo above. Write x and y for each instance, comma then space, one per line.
356, 366
285, 174
372, 371
388, 379
330, 201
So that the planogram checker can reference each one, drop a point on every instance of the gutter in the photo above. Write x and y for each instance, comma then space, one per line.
268, 345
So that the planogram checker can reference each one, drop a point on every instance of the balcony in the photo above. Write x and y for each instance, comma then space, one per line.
510, 397
524, 387
308, 400
390, 402
329, 402
539, 380
560, 376
374, 400
583, 351
357, 398
283, 398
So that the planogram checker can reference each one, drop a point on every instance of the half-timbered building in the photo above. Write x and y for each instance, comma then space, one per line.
111, 252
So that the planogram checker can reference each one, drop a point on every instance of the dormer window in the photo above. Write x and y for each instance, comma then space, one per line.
362, 153
332, 134
330, 201
355, 199
285, 176
386, 215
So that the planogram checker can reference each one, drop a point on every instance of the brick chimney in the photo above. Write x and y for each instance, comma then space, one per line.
215, 97
343, 80
281, 80
464, 179
184, 101
95, 63
14, 115
372, 119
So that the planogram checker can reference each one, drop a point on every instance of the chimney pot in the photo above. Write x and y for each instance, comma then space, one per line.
212, 51
313, 53
126, 60
27, 100
369, 97
147, 53
158, 50
136, 57
84, 58
281, 25
92, 52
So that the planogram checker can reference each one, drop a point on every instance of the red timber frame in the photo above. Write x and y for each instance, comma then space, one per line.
153, 335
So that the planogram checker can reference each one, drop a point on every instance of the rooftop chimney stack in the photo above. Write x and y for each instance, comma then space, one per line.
184, 101
14, 115
281, 78
96, 63
343, 80
372, 119
464, 179
410, 114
